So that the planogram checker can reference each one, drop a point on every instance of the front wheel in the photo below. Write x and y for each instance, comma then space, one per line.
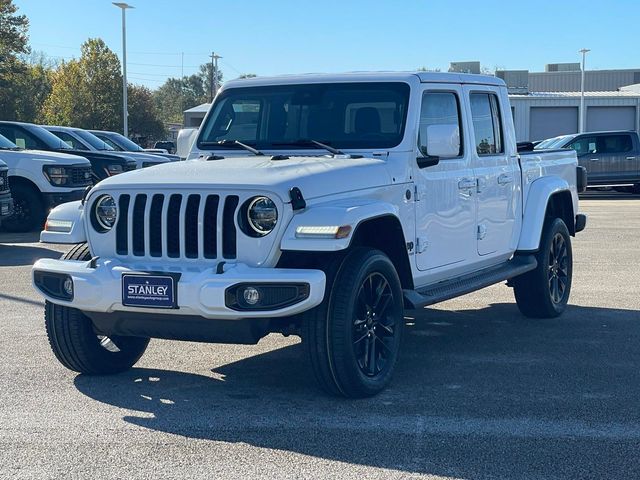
75, 343
544, 292
353, 337
28, 210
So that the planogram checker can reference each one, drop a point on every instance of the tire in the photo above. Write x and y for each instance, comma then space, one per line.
544, 292
75, 343
353, 338
28, 210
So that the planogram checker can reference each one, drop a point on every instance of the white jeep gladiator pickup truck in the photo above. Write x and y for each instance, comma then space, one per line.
321, 206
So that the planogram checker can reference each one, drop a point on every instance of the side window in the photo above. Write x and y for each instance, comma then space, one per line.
20, 137
614, 144
584, 145
69, 140
438, 108
487, 123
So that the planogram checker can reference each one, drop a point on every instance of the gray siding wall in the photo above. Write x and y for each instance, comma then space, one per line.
595, 81
522, 106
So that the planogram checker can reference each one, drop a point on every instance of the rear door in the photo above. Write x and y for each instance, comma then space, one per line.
496, 171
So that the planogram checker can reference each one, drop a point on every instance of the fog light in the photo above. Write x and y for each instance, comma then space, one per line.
68, 286
251, 295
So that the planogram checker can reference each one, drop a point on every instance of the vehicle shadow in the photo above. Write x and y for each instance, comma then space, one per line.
19, 255
478, 394
27, 237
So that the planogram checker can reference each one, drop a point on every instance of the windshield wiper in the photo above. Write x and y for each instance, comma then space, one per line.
304, 141
227, 143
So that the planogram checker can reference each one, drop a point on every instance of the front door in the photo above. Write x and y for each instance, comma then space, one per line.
495, 168
445, 198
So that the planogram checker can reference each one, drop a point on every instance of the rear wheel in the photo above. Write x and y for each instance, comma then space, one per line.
353, 337
28, 210
75, 343
544, 292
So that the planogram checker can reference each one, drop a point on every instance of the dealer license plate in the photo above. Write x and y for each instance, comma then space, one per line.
147, 290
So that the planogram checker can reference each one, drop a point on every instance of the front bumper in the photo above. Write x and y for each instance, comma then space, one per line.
54, 199
200, 292
6, 206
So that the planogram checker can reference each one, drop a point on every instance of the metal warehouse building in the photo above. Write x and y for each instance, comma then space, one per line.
542, 115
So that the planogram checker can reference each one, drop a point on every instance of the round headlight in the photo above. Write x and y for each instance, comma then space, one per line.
262, 215
106, 212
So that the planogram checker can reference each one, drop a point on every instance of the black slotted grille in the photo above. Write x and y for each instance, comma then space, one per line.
229, 227
155, 225
210, 226
122, 228
191, 226
174, 225
137, 230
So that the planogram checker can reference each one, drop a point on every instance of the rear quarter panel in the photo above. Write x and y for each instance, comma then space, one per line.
544, 173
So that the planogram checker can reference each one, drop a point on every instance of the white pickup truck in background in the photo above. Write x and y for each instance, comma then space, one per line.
320, 206
40, 181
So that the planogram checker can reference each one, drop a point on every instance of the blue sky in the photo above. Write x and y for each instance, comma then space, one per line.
288, 36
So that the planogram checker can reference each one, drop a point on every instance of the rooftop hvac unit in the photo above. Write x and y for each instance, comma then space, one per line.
464, 67
517, 80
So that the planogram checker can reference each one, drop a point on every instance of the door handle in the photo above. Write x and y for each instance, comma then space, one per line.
467, 183
505, 178
631, 158
594, 159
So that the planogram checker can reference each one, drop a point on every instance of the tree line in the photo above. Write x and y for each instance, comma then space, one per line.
86, 92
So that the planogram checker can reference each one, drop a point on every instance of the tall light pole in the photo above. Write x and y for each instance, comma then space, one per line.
584, 52
125, 113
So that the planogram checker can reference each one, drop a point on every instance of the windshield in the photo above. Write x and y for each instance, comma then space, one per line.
6, 144
48, 138
342, 115
551, 142
92, 140
124, 142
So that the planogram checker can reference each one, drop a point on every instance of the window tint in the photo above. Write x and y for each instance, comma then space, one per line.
438, 108
584, 145
614, 143
344, 115
487, 123
20, 137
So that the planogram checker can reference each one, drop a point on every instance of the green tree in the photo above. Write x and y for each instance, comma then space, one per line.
205, 73
87, 92
34, 84
13, 44
144, 119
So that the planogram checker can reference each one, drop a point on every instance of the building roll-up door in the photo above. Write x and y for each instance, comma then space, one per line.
611, 118
547, 122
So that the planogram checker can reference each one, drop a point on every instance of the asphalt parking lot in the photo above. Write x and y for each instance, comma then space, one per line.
480, 392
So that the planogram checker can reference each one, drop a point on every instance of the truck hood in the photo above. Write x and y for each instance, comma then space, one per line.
42, 157
315, 176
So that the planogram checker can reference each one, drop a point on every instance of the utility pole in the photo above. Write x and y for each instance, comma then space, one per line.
214, 76
584, 52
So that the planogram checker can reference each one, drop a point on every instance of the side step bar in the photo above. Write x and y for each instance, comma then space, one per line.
447, 289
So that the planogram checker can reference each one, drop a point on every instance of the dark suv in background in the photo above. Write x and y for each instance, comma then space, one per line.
611, 158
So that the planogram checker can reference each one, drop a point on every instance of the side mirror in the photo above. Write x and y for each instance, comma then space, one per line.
443, 141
